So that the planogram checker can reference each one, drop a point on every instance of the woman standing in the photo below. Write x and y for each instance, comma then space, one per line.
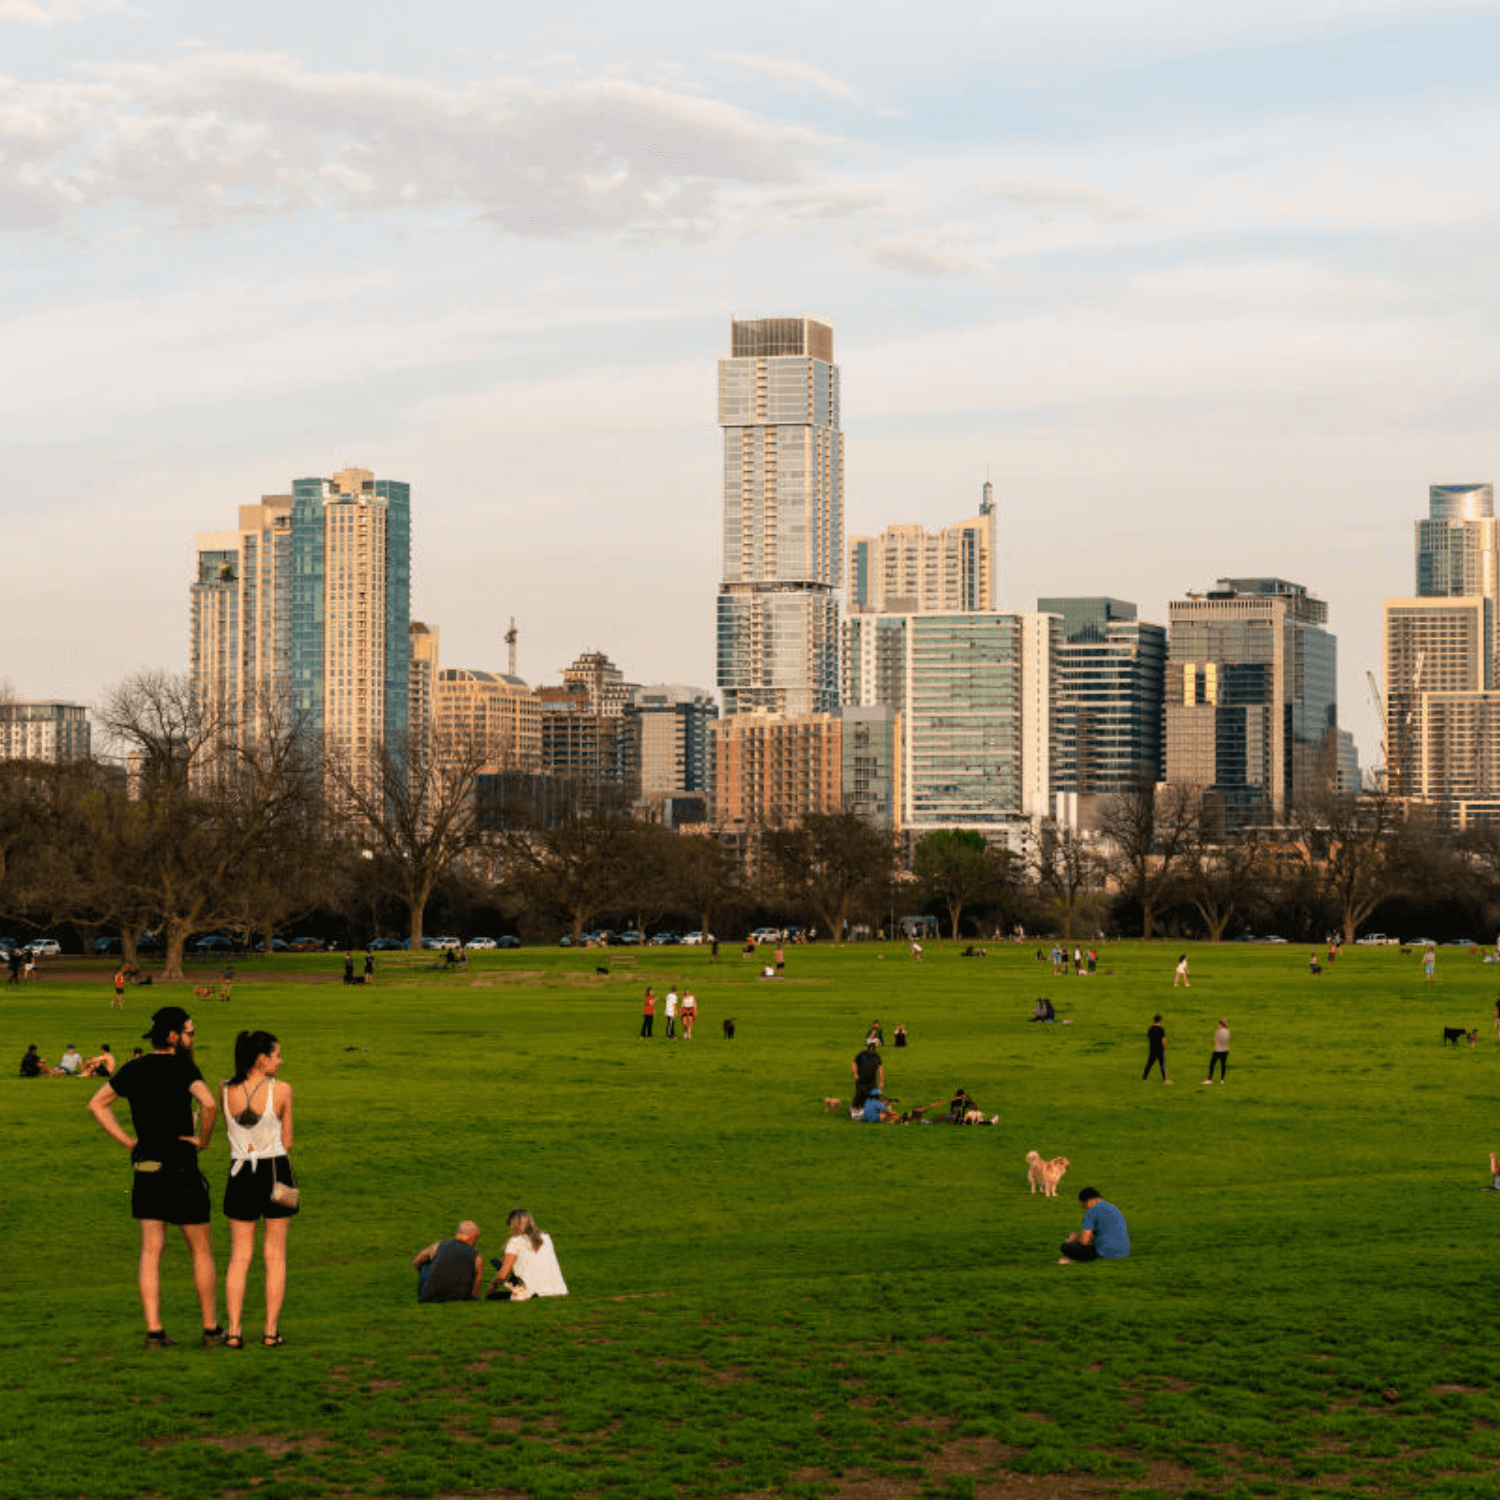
530, 1259
258, 1116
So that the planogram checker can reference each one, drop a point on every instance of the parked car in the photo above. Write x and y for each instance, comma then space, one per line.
214, 943
663, 939
1373, 940
698, 938
1419, 943
1281, 940
7, 944
762, 935
105, 944
481, 945
628, 940
45, 947
278, 945
1460, 943
508, 940
442, 942
305, 945
390, 945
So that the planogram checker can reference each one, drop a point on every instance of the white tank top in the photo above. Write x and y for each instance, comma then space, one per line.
257, 1142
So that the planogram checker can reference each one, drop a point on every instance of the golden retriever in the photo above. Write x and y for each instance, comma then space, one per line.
1045, 1174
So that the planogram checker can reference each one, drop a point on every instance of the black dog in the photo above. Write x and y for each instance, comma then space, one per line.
1457, 1034
729, 1028
600, 969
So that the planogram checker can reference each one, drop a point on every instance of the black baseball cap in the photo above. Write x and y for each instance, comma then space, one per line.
168, 1018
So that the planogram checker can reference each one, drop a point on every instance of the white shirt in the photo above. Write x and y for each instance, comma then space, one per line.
537, 1268
671, 1008
71, 1060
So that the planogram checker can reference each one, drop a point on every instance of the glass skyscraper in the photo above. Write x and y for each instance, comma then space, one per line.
783, 498
1251, 698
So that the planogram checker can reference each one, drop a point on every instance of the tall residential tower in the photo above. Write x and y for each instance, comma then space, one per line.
783, 499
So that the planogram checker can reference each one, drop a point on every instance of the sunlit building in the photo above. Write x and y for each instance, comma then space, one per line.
487, 718
909, 570
783, 511
668, 751
773, 770
57, 733
1251, 698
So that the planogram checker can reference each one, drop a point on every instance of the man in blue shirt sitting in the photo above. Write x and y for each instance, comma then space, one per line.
1104, 1236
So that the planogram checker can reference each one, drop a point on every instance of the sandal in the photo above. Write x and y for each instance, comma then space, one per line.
273, 1341
234, 1341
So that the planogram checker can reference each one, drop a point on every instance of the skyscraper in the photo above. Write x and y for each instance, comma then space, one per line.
1251, 697
1110, 672
668, 752
309, 602
783, 496
908, 570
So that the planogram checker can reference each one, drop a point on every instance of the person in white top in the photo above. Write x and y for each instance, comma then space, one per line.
258, 1115
530, 1258
672, 1012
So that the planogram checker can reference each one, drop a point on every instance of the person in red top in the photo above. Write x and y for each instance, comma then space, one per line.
648, 1014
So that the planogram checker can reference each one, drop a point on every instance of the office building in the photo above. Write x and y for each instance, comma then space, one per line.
306, 607
974, 696
783, 503
669, 752
1251, 699
57, 733
1110, 674
422, 677
908, 570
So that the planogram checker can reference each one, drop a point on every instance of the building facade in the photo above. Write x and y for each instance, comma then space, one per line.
1110, 677
908, 570
1251, 698
871, 765
57, 733
668, 751
783, 509
974, 696
773, 770
307, 604
490, 715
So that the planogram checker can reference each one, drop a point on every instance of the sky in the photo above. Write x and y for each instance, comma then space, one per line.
1206, 291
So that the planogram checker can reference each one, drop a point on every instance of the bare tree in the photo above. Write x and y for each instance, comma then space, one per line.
1148, 831
705, 877
417, 815
1065, 867
1223, 877
1355, 846
572, 869
827, 863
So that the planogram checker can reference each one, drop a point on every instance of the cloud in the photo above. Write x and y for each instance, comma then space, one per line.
788, 69
208, 138
927, 253
50, 12
1048, 198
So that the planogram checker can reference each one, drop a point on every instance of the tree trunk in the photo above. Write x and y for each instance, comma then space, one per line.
955, 916
176, 942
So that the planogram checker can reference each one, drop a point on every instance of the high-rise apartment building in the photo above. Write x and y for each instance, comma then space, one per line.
1110, 672
308, 604
1251, 698
871, 764
422, 677
773, 770
974, 695
57, 733
783, 498
908, 570
669, 753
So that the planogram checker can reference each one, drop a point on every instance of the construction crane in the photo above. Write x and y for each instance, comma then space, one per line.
1382, 771
1395, 754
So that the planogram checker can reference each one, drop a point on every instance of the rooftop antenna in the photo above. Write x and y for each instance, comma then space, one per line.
510, 640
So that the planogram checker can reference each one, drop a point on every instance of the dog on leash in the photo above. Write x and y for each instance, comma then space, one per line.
1045, 1174
1459, 1034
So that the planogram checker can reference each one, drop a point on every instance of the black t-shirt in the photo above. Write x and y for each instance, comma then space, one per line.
1157, 1036
867, 1068
452, 1275
158, 1087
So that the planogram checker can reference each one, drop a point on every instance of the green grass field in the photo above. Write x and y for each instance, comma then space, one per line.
767, 1299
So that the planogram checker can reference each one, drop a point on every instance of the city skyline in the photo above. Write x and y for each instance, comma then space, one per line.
1205, 295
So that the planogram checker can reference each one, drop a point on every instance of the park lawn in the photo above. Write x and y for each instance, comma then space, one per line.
769, 1299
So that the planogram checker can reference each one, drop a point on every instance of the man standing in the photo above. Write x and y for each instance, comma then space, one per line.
450, 1270
869, 1074
648, 1013
1104, 1235
1220, 1054
672, 1013
1156, 1040
169, 1188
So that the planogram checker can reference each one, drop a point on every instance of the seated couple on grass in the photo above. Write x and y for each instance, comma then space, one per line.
453, 1270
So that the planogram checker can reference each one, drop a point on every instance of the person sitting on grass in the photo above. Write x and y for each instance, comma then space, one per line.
70, 1064
102, 1066
450, 1270
529, 1267
876, 1111
34, 1066
1104, 1235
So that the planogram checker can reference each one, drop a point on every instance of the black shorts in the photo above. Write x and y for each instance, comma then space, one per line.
173, 1192
247, 1194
